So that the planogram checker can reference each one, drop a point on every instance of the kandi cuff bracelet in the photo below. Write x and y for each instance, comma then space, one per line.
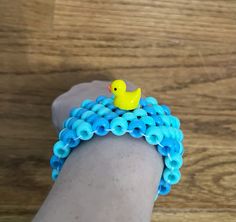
124, 112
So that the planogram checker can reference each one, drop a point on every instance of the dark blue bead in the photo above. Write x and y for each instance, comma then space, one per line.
56, 162
68, 137
137, 128
111, 106
164, 187
110, 116
168, 146
158, 120
100, 98
150, 110
166, 109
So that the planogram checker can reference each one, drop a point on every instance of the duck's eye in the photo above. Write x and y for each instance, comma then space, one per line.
115, 89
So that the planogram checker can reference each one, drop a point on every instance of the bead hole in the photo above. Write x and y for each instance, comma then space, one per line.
174, 163
171, 177
84, 134
101, 129
154, 138
118, 129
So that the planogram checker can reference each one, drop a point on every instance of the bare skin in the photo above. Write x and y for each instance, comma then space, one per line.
107, 178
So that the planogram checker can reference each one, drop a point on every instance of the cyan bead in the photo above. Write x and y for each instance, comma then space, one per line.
166, 120
101, 127
80, 112
158, 120
164, 187
148, 120
74, 111
111, 107
119, 112
128, 116
100, 99
153, 135
56, 163
77, 123
69, 137
175, 122
143, 102
69, 122
90, 105
97, 107
92, 118
86, 114
107, 101
84, 131
119, 126
168, 146
173, 162
140, 113
159, 109
171, 176
85, 103
61, 150
103, 111
166, 109
55, 174
151, 100
137, 128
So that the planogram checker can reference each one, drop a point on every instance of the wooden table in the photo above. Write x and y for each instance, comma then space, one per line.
182, 52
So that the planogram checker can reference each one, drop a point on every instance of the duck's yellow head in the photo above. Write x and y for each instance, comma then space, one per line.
117, 87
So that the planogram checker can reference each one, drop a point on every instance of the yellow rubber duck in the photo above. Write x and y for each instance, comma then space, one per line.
124, 100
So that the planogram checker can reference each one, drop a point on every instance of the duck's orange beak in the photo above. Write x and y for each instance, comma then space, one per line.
109, 88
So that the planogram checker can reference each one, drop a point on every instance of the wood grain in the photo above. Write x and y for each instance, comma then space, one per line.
182, 52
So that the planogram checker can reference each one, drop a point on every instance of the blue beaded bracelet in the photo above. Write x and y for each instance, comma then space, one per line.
150, 120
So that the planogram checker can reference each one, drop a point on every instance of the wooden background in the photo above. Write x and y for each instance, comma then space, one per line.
181, 51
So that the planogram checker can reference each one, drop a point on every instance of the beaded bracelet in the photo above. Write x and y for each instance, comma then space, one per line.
150, 120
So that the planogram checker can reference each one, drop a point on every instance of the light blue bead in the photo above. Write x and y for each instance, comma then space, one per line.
168, 146
140, 113
129, 116
55, 174
171, 176
166, 109
97, 107
151, 100
84, 131
137, 128
107, 101
100, 99
181, 150
119, 126
77, 123
85, 103
110, 116
56, 163
61, 150
153, 135
103, 111
101, 127
111, 107
159, 109
164, 187
86, 114
150, 110
173, 162
148, 120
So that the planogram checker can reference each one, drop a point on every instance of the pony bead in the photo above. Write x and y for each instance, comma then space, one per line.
150, 121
